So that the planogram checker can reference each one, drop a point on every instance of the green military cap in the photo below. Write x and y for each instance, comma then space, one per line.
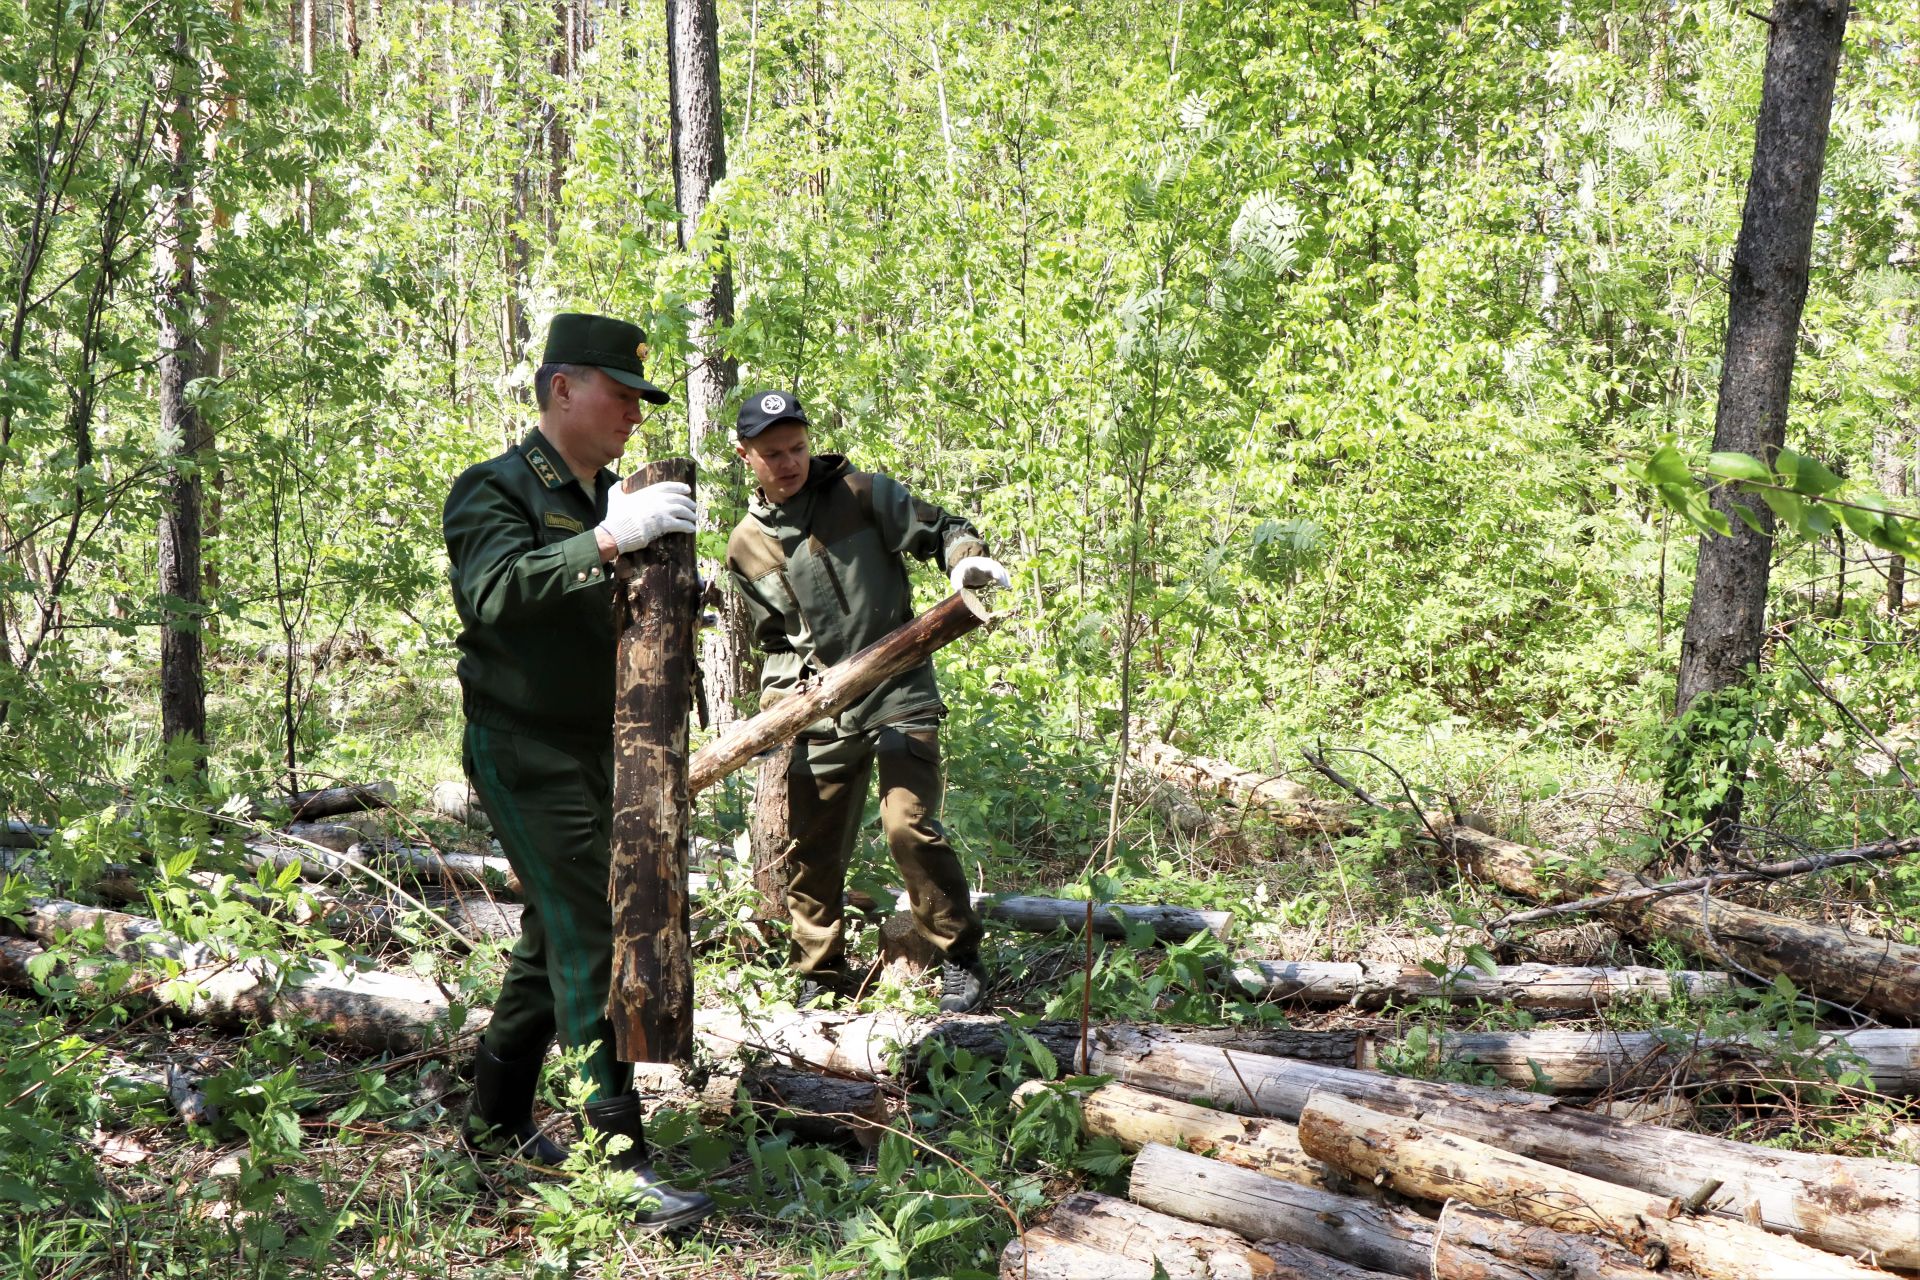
614, 347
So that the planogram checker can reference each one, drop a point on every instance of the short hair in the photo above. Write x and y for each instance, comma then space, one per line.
543, 380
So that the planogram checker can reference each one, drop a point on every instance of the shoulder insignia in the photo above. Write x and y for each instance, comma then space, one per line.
557, 520
542, 467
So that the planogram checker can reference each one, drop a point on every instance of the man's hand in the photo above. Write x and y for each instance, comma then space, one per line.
636, 519
979, 571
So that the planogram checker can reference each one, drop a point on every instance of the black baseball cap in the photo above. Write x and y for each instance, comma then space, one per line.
614, 347
763, 409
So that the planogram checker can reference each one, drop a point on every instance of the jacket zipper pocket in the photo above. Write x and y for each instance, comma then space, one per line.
838, 591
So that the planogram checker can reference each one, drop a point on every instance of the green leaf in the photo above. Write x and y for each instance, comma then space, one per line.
1804, 474
1738, 466
1666, 466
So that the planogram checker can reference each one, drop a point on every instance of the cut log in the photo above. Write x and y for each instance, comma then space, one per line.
305, 806
651, 1000
337, 836
1132, 1240
455, 800
1594, 1061
1845, 968
1110, 919
1347, 1228
1467, 1236
1367, 984
810, 1106
368, 1010
1428, 1163
1134, 1118
837, 688
1847, 1204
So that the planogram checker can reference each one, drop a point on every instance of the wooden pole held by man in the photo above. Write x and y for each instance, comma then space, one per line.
656, 604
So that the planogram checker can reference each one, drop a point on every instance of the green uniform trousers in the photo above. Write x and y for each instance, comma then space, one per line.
552, 808
827, 795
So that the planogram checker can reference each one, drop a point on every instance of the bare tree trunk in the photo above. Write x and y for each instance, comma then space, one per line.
1727, 617
183, 696
652, 1003
769, 836
700, 162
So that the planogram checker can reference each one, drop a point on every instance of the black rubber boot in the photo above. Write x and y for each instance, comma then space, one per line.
663, 1207
963, 984
500, 1112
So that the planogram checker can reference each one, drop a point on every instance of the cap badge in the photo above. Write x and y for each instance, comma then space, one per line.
641, 351
773, 403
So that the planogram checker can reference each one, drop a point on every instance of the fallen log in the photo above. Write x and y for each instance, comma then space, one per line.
17, 834
1430, 1164
1347, 1228
869, 1045
1031, 913
838, 688
1134, 1118
1847, 1204
455, 800
1467, 1236
1129, 1242
369, 1008
1835, 965
305, 806
1595, 1061
1367, 984
1291, 806
810, 1106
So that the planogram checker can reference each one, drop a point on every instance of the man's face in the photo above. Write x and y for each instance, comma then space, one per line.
778, 457
597, 415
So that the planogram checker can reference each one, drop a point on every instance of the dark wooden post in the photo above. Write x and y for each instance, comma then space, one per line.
655, 603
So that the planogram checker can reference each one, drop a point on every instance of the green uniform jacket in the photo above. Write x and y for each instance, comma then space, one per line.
535, 600
823, 577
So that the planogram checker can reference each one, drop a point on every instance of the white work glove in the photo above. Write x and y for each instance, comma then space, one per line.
978, 571
637, 518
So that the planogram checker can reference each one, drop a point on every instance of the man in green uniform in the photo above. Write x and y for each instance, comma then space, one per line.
819, 559
531, 535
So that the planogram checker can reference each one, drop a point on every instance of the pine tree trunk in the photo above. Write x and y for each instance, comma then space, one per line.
699, 163
1727, 618
183, 698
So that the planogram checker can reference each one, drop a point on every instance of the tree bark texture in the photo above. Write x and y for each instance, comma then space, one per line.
769, 834
810, 1106
1467, 1237
1347, 1228
651, 1005
1367, 984
1874, 973
1726, 620
333, 801
1434, 1165
1128, 1241
699, 164
1291, 806
1844, 1203
837, 688
1135, 1117
183, 694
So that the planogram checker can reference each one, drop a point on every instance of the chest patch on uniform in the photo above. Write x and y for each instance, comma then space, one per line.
556, 520
542, 467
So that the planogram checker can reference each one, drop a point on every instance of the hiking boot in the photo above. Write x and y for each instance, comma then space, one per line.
663, 1207
499, 1121
963, 984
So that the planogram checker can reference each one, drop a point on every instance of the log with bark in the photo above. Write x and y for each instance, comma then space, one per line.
371, 1010
1466, 1237
838, 688
1031, 913
1842, 967
651, 1001
1431, 1164
1134, 1118
306, 806
1087, 1236
768, 835
1369, 984
810, 1106
1356, 1231
1847, 1204
1291, 806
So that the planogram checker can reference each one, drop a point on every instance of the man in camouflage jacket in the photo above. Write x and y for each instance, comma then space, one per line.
819, 559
